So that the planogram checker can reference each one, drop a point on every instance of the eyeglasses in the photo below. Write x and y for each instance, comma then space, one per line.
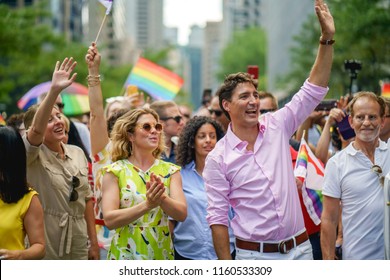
218, 113
60, 105
148, 127
74, 195
263, 111
176, 118
378, 171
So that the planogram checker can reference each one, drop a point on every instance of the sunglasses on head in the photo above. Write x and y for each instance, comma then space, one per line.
148, 127
263, 111
218, 113
74, 195
176, 118
378, 171
60, 105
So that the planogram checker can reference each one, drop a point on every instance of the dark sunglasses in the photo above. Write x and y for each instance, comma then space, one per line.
148, 127
378, 171
60, 105
176, 118
218, 113
263, 111
74, 195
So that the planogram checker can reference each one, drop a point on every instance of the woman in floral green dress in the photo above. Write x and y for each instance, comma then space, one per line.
140, 191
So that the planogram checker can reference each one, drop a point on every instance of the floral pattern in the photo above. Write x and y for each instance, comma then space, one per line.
147, 238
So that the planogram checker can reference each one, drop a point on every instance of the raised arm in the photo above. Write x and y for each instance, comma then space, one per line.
320, 72
99, 134
322, 149
61, 79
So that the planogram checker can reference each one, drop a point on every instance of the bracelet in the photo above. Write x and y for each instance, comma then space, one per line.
327, 42
91, 77
93, 80
93, 83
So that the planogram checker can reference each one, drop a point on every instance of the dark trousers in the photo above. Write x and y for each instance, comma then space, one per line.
316, 245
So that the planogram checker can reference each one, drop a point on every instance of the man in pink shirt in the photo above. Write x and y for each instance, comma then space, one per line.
250, 168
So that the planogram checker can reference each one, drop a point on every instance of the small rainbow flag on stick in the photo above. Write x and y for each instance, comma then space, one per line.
385, 89
157, 81
310, 170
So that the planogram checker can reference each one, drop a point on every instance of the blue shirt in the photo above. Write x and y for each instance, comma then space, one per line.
172, 157
192, 238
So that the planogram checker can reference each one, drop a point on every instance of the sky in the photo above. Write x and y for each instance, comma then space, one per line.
184, 13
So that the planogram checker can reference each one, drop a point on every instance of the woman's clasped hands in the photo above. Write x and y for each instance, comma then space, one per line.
155, 191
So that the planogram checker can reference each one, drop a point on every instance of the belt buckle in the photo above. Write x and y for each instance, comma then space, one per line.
282, 247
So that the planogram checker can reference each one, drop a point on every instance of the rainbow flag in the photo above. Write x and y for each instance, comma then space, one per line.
157, 81
385, 92
310, 171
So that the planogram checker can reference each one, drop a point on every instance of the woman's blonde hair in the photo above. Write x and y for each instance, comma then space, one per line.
121, 146
67, 123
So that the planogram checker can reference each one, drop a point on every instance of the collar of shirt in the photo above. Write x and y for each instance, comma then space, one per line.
350, 149
235, 142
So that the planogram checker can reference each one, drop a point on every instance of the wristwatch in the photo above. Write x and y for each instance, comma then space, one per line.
327, 42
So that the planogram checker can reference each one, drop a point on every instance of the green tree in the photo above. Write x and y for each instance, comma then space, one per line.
362, 33
247, 47
28, 51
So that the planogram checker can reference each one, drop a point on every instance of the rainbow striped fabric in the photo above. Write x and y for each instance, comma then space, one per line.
157, 81
385, 89
75, 98
310, 171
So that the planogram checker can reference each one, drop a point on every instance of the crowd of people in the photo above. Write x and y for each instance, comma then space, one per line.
154, 181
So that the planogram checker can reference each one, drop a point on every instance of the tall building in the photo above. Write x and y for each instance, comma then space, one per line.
240, 15
192, 65
281, 20
171, 35
211, 55
144, 24
67, 19
66, 16
133, 27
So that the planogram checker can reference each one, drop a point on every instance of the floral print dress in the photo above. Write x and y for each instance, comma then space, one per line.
147, 238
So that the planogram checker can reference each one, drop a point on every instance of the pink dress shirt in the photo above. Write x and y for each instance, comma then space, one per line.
260, 184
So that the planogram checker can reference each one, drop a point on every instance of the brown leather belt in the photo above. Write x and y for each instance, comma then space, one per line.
282, 247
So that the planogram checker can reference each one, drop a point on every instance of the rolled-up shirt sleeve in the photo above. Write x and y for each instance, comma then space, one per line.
32, 152
217, 189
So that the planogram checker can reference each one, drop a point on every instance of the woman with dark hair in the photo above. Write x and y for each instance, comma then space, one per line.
140, 191
21, 212
192, 238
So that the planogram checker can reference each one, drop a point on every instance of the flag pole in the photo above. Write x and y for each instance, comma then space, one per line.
303, 134
100, 29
